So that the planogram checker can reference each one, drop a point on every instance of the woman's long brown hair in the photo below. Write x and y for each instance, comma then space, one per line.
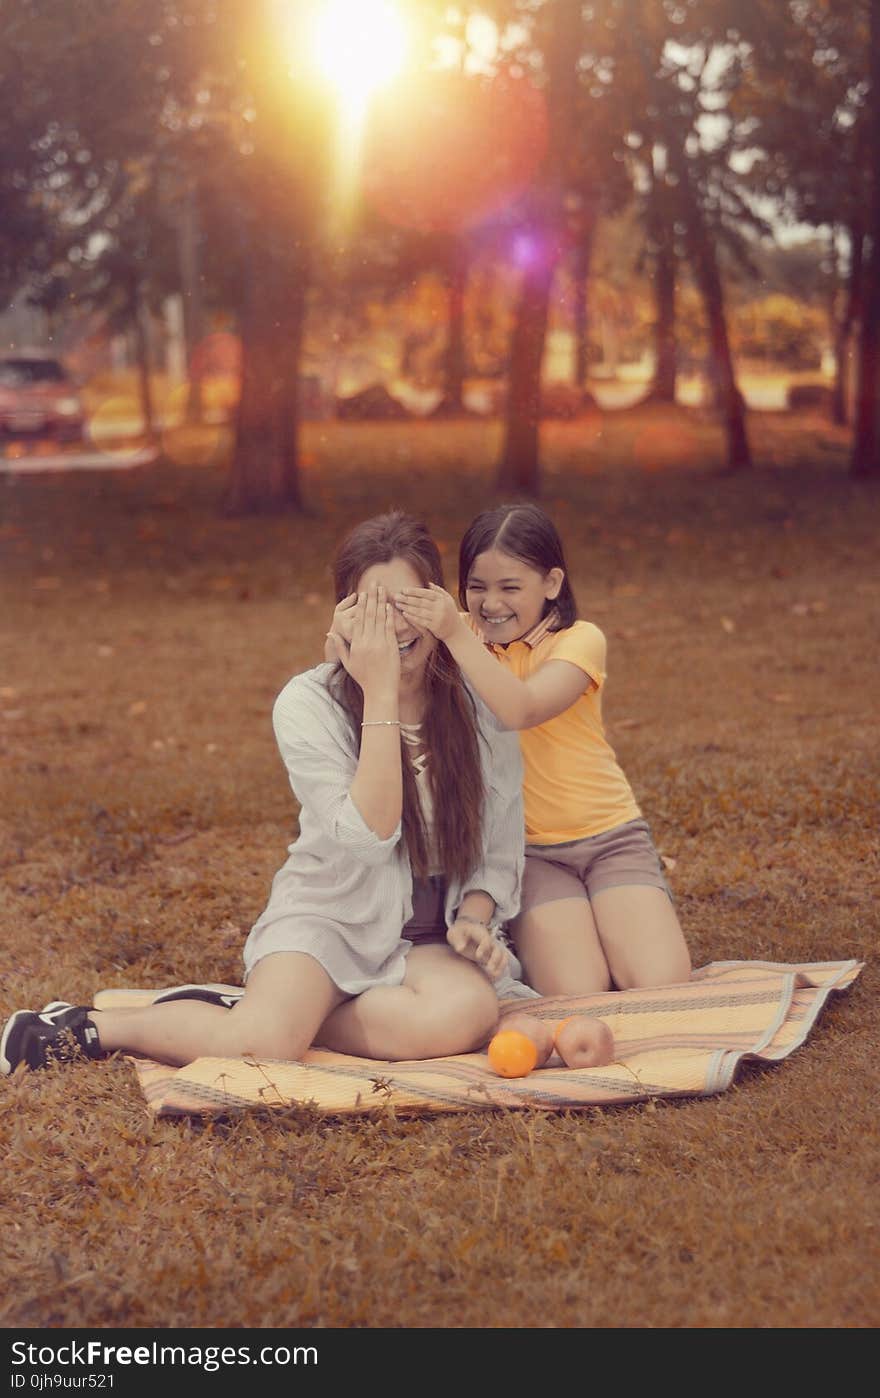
449, 728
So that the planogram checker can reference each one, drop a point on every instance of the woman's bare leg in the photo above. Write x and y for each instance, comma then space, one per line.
445, 1005
288, 995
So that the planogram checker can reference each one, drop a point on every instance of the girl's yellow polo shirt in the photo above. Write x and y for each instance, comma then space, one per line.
573, 786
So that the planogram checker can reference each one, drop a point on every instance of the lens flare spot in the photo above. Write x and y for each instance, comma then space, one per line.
189, 443
114, 423
446, 150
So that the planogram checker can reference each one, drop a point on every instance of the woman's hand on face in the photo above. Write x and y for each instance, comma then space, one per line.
343, 617
477, 943
370, 655
430, 608
339, 635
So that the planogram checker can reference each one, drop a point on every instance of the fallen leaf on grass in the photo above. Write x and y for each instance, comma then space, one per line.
177, 839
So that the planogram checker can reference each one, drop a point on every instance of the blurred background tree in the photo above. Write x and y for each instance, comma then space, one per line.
689, 184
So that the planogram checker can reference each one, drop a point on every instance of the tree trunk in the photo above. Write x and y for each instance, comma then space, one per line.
279, 202
843, 323
706, 271
839, 414
709, 280
865, 460
142, 356
732, 408
191, 297
518, 469
296, 304
663, 389
519, 466
583, 253
264, 478
454, 359
662, 237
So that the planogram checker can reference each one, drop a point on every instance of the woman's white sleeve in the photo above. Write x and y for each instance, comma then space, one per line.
321, 765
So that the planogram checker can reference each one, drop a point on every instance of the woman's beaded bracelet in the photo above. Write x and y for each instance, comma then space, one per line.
381, 723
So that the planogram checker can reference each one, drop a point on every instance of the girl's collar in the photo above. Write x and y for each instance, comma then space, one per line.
542, 628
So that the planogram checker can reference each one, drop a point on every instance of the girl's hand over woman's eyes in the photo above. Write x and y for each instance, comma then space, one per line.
431, 608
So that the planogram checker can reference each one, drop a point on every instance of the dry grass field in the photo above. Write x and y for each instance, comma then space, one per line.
144, 810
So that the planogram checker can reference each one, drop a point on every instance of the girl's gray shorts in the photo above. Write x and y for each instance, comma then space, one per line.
583, 868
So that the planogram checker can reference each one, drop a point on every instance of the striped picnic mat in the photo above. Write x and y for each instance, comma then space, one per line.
674, 1041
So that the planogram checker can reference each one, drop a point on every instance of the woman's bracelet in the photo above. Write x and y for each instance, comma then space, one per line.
381, 723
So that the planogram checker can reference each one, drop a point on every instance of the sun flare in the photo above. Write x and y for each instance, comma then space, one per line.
358, 46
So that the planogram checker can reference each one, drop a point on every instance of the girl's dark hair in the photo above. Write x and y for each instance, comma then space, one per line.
527, 533
450, 726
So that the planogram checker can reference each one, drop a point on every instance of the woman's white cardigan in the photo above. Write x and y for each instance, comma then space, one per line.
344, 894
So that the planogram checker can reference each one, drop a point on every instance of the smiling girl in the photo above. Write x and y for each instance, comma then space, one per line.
596, 912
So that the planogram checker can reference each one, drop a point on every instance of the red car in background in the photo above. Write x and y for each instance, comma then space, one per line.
39, 399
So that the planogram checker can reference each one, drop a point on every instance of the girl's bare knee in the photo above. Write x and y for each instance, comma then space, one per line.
593, 980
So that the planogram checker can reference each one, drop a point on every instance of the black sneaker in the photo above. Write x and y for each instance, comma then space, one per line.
61, 1034
213, 994
56, 1009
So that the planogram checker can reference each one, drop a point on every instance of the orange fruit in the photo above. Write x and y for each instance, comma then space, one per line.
511, 1054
